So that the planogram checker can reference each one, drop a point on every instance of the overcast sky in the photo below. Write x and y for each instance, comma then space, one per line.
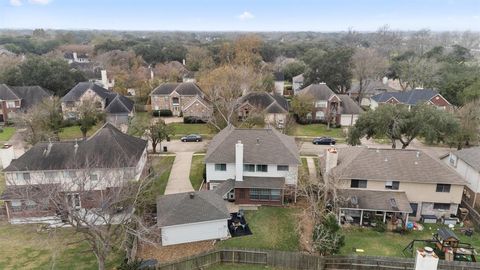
246, 15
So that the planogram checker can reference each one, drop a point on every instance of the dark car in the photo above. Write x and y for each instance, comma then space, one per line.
191, 138
324, 141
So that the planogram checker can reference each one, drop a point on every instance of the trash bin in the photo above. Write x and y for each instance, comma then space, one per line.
165, 149
168, 138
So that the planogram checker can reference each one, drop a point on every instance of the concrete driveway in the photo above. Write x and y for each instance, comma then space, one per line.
176, 146
179, 180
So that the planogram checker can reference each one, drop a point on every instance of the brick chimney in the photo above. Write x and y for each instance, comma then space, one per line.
239, 161
331, 159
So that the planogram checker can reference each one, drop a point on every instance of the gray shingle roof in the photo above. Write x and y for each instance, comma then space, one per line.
392, 165
183, 89
411, 97
180, 208
261, 182
375, 200
77, 91
471, 156
107, 148
31, 95
6, 93
266, 102
349, 106
319, 91
260, 146
120, 105
372, 88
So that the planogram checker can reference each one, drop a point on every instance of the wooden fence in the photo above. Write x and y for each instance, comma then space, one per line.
302, 261
472, 214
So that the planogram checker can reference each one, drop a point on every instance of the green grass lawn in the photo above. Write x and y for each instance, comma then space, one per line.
317, 130
272, 228
391, 244
241, 267
25, 248
196, 171
74, 132
161, 171
140, 119
304, 168
182, 129
6, 134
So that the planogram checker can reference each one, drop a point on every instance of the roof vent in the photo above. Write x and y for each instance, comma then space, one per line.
386, 159
377, 150
418, 154
192, 195
258, 141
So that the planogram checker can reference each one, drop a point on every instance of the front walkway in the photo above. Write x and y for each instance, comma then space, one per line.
179, 180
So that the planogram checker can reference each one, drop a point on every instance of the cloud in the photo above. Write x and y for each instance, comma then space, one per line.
40, 2
246, 16
15, 3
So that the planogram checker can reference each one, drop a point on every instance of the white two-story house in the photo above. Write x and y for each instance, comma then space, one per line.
467, 164
81, 171
253, 166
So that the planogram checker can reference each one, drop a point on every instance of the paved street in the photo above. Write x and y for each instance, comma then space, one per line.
179, 180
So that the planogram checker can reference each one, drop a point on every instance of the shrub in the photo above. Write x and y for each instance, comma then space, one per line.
192, 120
380, 225
165, 113
327, 238
156, 113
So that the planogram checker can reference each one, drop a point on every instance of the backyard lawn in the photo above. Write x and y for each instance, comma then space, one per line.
272, 228
6, 134
161, 171
391, 244
317, 130
74, 132
196, 171
25, 248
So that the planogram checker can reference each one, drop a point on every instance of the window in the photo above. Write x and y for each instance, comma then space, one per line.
443, 187
392, 185
262, 168
98, 105
309, 115
93, 177
282, 168
358, 183
166, 98
23, 176
249, 167
49, 175
221, 167
265, 194
321, 104
319, 115
72, 115
30, 205
441, 206
70, 174
11, 104
16, 205
70, 104
175, 101
453, 160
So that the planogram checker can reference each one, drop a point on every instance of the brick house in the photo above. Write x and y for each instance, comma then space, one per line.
252, 166
274, 107
412, 98
118, 108
182, 99
340, 109
410, 181
18, 99
99, 163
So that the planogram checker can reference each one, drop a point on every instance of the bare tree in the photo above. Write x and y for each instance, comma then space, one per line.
102, 205
368, 65
89, 114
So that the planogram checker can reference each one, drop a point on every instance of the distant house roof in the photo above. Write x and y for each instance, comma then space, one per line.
392, 165
114, 102
471, 156
183, 208
379, 200
183, 89
69, 55
266, 102
349, 106
107, 148
373, 87
298, 79
260, 146
411, 97
319, 91
30, 95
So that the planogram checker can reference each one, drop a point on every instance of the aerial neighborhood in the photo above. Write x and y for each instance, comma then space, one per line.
238, 150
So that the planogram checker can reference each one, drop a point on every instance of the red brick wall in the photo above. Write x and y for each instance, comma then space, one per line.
242, 196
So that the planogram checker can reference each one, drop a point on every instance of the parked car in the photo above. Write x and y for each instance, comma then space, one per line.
324, 141
191, 138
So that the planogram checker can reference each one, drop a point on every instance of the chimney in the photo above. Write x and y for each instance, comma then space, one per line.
426, 259
239, 161
192, 195
75, 57
331, 159
104, 78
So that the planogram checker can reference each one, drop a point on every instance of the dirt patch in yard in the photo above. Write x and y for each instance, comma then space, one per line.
174, 252
305, 227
